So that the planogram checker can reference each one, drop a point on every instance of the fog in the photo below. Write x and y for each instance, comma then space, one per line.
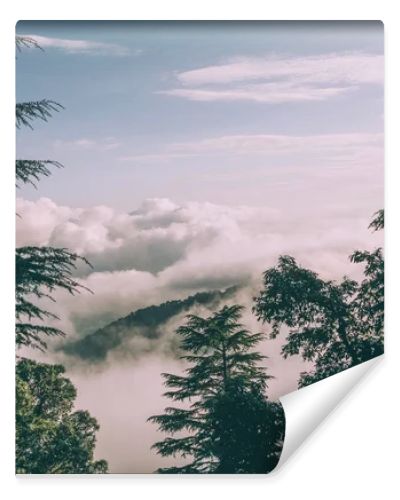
164, 251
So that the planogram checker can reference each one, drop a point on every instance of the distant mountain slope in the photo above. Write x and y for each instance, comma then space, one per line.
145, 322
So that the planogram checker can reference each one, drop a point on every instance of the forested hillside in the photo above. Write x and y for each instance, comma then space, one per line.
147, 322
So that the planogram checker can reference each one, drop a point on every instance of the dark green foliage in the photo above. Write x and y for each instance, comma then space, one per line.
50, 437
30, 171
27, 112
334, 325
229, 427
26, 42
379, 220
148, 322
39, 271
369, 303
247, 431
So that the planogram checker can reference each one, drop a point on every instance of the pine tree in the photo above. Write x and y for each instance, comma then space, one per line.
230, 426
50, 437
39, 270
334, 325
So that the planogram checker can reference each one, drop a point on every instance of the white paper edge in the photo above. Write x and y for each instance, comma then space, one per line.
307, 408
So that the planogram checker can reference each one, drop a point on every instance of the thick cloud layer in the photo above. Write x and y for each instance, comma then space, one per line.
163, 251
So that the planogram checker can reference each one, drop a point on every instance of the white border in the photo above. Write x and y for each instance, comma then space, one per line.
355, 452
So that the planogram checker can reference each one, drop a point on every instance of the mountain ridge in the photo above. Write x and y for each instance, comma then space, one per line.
145, 322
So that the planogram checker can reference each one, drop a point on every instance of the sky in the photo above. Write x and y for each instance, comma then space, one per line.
148, 106
195, 154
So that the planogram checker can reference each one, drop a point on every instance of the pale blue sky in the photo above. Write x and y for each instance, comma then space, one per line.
137, 123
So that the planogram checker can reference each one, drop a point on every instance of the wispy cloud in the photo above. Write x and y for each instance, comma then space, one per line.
344, 149
270, 92
106, 144
88, 47
276, 79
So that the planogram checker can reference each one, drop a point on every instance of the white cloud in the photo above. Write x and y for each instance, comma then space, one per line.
343, 149
81, 46
37, 221
334, 68
164, 251
84, 143
268, 92
276, 79
281, 144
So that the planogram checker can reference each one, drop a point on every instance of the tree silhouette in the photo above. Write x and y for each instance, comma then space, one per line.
230, 426
39, 270
334, 325
50, 438
25, 41
27, 112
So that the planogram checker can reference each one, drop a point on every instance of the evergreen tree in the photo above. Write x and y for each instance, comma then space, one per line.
39, 271
25, 41
50, 438
335, 325
230, 426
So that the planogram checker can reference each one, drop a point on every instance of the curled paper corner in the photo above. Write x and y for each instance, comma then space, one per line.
306, 408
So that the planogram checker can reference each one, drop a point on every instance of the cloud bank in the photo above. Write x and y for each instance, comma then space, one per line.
165, 251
